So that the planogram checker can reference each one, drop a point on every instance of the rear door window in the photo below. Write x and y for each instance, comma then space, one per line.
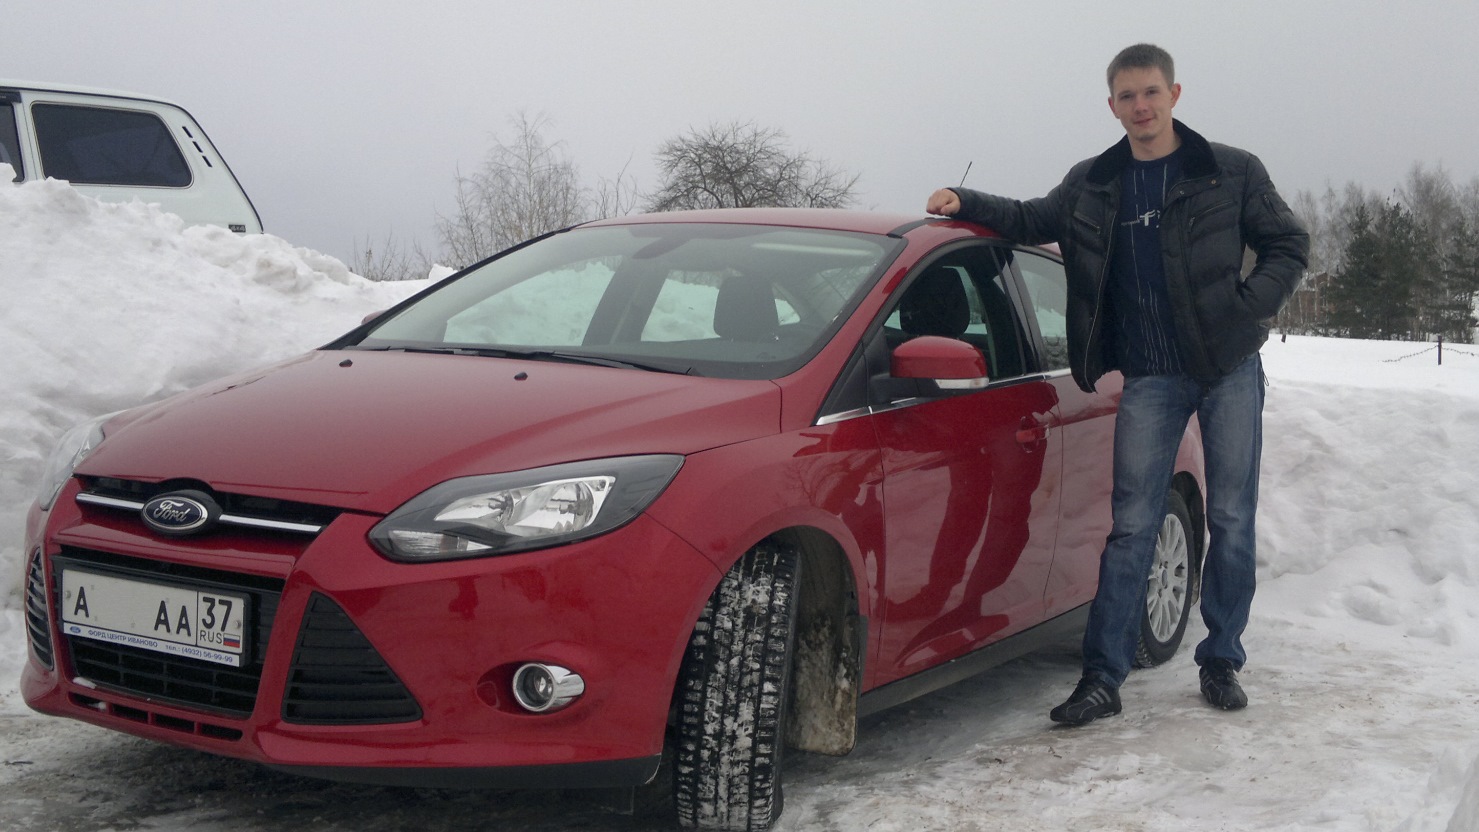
10, 143
102, 146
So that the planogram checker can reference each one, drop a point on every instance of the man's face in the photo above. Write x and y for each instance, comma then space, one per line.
1142, 101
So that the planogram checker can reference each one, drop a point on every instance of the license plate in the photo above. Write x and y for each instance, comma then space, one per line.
203, 624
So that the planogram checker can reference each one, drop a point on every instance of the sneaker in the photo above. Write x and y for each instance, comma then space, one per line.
1220, 685
1092, 699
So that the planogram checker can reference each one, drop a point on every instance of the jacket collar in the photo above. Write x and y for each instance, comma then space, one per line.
1196, 160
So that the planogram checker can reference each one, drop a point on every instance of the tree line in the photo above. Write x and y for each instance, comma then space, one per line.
1404, 266
527, 185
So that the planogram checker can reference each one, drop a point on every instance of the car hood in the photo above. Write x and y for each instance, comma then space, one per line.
369, 430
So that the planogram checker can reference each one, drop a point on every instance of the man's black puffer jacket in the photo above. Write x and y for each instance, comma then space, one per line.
1223, 202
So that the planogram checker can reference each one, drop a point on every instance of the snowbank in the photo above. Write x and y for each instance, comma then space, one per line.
110, 305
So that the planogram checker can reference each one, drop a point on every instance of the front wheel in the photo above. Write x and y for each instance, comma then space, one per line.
1168, 587
733, 689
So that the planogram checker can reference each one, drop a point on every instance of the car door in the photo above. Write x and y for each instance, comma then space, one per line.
971, 480
1086, 422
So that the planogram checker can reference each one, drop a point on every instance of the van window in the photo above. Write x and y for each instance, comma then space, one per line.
10, 145
97, 146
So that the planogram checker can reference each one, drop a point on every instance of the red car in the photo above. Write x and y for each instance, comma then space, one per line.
719, 482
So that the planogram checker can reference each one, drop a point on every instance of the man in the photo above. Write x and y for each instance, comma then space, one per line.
1152, 233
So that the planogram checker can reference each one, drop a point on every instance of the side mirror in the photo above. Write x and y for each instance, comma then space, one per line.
372, 316
950, 364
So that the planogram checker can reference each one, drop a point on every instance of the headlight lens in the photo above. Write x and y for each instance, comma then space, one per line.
502, 513
70, 450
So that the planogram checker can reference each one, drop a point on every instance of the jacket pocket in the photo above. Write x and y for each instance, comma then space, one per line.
1202, 215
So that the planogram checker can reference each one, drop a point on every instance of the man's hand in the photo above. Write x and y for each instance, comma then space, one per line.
943, 202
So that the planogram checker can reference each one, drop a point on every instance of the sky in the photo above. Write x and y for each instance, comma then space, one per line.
348, 122
1364, 636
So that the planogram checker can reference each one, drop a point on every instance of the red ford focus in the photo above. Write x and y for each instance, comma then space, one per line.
716, 482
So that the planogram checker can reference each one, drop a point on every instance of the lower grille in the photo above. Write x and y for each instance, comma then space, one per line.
38, 623
177, 679
338, 678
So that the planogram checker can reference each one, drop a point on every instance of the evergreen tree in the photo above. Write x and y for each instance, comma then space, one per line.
1373, 293
1461, 269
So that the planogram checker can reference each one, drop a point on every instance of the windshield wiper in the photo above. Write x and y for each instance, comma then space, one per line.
535, 355
431, 350
596, 360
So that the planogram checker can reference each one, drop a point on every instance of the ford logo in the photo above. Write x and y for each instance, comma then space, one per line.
180, 512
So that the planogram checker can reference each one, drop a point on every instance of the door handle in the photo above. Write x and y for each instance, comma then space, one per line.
1031, 432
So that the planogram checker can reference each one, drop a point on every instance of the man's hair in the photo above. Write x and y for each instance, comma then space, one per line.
1142, 56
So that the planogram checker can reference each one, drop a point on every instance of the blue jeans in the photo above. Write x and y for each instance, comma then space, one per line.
1153, 415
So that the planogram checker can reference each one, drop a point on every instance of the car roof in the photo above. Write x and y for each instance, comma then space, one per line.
832, 219
79, 89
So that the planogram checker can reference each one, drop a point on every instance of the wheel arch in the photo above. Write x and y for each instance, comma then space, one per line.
831, 641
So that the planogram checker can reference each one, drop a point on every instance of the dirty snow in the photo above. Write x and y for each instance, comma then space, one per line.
1363, 644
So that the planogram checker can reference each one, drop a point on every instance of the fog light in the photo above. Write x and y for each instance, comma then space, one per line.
542, 688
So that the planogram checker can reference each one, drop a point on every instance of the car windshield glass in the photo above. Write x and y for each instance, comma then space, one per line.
730, 301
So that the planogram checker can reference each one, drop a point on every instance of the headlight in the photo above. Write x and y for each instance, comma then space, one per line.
74, 445
502, 513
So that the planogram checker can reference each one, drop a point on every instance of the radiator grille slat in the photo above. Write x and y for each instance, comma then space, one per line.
38, 622
338, 678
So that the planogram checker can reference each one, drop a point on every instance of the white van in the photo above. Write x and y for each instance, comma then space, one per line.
119, 147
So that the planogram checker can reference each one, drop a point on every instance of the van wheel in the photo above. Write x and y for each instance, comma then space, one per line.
1168, 587
733, 695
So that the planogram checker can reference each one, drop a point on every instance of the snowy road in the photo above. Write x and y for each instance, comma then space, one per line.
1340, 736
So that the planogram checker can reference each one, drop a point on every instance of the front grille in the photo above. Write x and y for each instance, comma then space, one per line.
261, 513
38, 623
177, 679
338, 678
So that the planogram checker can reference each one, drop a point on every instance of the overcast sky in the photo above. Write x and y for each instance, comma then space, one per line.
348, 121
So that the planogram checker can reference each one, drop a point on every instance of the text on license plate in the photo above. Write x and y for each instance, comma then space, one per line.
194, 623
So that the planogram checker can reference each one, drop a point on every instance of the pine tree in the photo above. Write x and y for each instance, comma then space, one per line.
1372, 295
1461, 270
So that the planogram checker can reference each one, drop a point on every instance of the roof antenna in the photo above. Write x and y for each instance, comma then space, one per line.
967, 172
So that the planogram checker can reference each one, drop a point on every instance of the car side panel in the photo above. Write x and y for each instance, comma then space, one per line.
971, 502
1084, 519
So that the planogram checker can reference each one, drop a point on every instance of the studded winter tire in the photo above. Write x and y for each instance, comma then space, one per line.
733, 690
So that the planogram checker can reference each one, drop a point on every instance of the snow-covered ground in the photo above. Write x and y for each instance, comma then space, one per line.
1363, 647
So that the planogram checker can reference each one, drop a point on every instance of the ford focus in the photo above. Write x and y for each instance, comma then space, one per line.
676, 490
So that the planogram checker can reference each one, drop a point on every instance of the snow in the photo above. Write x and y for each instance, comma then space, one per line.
1363, 643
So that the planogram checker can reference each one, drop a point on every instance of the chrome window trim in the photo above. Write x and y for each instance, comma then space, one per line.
859, 412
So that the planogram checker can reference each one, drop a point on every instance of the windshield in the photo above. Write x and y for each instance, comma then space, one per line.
731, 301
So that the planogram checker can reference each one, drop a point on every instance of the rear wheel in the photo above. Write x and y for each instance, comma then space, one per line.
733, 694
1168, 587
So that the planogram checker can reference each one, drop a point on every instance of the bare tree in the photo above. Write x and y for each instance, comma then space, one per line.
390, 261
615, 197
743, 165
525, 187
1432, 198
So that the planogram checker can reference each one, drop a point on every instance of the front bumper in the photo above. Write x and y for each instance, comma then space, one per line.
617, 609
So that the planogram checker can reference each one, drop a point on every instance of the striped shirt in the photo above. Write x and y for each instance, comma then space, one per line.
1144, 332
